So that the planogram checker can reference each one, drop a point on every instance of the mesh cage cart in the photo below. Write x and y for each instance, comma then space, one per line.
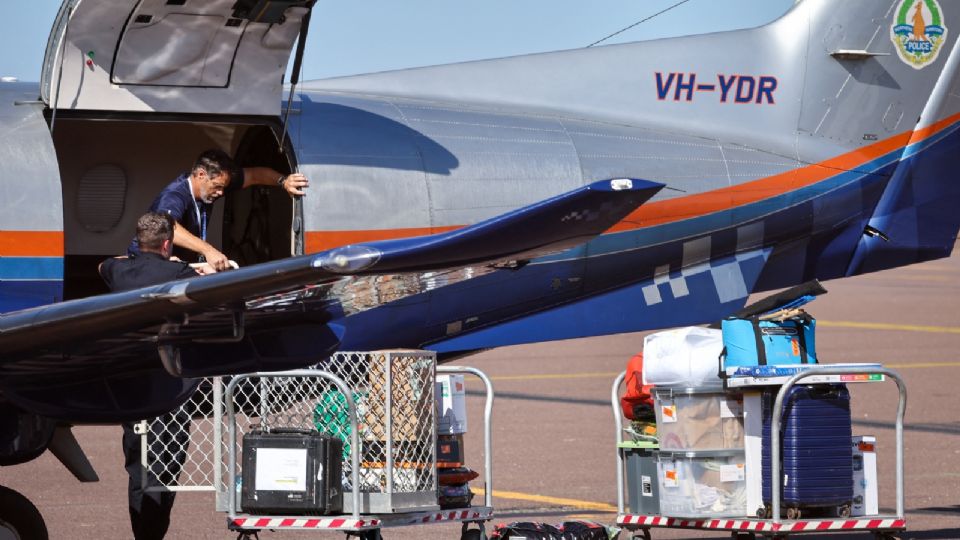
379, 406
638, 520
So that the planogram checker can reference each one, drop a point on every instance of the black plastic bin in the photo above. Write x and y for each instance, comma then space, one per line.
299, 473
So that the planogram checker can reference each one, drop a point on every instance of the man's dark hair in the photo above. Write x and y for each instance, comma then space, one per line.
216, 161
153, 228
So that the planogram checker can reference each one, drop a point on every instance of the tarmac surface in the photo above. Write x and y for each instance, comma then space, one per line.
553, 427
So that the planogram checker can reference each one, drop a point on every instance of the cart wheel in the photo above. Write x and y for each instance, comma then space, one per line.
844, 511
372, 534
472, 534
742, 535
793, 513
642, 533
764, 512
885, 536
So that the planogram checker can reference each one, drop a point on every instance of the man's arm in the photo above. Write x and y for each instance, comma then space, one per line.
185, 239
265, 176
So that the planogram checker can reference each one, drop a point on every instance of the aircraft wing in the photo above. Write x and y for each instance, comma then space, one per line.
548, 226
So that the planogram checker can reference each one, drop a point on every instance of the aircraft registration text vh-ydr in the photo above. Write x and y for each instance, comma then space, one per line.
453, 208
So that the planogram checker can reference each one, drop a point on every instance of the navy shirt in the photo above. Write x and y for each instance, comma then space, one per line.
142, 270
177, 200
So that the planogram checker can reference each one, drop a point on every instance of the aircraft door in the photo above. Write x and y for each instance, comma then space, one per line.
31, 203
212, 56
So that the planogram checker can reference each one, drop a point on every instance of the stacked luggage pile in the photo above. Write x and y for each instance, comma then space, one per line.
711, 457
696, 468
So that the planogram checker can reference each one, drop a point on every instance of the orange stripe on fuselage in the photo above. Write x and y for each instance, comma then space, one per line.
658, 213
690, 206
31, 243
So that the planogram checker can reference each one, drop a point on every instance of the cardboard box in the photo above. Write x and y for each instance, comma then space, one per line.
753, 447
411, 393
451, 405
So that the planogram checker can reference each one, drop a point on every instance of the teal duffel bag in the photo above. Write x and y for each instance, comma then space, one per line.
756, 342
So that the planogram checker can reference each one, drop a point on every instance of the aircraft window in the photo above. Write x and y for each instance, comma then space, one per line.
143, 19
100, 198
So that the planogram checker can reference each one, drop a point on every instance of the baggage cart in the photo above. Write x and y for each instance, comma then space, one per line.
883, 527
381, 407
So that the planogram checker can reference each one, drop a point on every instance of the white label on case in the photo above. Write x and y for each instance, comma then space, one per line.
671, 478
281, 469
732, 473
668, 413
646, 486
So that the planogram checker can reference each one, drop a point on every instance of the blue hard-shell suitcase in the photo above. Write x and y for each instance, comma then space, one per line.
816, 457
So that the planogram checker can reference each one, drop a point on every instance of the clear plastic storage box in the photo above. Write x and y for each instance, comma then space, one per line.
702, 484
696, 419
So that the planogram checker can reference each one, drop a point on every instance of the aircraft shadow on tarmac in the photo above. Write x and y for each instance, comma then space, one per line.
938, 534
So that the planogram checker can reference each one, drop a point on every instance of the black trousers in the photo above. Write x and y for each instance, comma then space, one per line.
167, 450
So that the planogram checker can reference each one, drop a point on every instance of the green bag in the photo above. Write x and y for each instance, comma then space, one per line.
331, 416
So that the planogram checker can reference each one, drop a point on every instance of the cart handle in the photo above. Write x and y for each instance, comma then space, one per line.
487, 433
618, 422
776, 474
232, 432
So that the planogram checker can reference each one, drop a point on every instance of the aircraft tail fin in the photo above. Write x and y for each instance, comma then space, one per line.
916, 218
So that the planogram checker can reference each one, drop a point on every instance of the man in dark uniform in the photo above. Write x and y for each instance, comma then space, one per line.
150, 265
189, 199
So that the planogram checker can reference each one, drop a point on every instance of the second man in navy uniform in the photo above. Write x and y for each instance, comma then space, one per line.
189, 199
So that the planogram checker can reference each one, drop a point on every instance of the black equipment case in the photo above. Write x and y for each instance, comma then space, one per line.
816, 459
291, 472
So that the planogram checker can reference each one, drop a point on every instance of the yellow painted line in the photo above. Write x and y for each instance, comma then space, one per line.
886, 326
585, 517
923, 365
557, 501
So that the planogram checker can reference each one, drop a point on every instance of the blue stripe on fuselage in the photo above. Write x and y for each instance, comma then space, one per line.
31, 268
16, 295
27, 282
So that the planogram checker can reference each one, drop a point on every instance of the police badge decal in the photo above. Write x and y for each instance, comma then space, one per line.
918, 32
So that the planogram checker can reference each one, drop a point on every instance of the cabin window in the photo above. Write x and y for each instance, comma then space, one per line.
100, 197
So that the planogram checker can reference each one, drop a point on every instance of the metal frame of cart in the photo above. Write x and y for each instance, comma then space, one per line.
883, 526
363, 525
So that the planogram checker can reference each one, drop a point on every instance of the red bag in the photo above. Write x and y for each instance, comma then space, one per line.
456, 476
638, 396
